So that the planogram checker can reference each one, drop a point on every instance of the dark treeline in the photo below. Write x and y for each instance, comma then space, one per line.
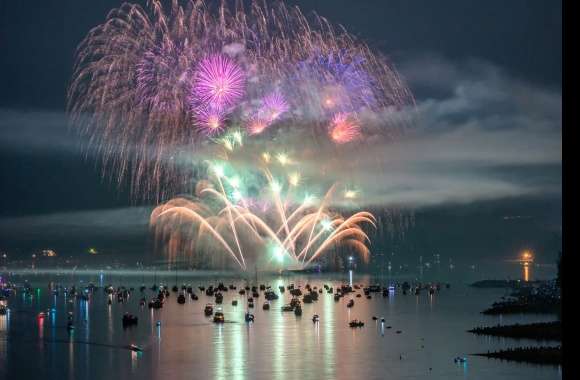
538, 331
537, 355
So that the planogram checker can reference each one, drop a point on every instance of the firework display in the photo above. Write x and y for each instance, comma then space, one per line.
247, 108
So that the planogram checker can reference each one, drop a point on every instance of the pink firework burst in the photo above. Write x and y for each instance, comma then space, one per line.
273, 106
257, 125
219, 82
210, 120
344, 128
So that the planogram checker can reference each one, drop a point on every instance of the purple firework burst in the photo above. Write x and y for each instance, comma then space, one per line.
273, 106
210, 120
219, 82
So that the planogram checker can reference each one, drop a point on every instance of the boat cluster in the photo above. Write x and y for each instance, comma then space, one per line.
300, 295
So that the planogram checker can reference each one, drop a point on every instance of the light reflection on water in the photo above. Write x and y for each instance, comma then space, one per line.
278, 345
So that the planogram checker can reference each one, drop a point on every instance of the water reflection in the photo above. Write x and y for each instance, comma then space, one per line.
219, 355
329, 348
238, 353
4, 325
278, 320
278, 346
526, 268
71, 355
135, 360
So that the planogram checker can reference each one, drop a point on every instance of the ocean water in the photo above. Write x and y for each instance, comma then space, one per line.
278, 345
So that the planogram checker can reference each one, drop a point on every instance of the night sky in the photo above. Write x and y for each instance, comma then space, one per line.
483, 173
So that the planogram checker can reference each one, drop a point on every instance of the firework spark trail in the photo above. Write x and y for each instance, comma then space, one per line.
244, 217
323, 203
277, 201
232, 224
190, 213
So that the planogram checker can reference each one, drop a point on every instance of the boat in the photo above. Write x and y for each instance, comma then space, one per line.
266, 306
298, 310
296, 292
249, 317
315, 318
287, 307
134, 347
208, 309
295, 302
129, 320
350, 303
155, 304
218, 317
356, 323
270, 295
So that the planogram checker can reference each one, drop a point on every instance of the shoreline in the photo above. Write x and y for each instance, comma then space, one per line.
542, 331
534, 355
